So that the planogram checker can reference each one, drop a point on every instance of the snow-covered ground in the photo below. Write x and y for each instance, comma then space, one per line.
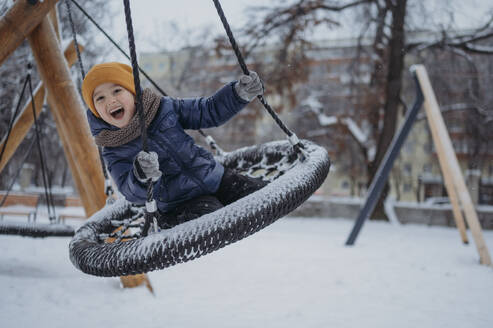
295, 273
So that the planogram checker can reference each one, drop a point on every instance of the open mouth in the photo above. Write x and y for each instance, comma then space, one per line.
117, 113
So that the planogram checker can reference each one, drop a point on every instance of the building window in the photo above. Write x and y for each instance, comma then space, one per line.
345, 185
407, 187
408, 169
428, 147
427, 168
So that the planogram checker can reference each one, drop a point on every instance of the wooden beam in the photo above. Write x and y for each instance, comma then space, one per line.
451, 191
449, 161
18, 22
69, 115
53, 15
449, 183
72, 162
25, 118
447, 176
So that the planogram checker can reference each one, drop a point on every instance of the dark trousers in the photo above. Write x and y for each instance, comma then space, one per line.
233, 187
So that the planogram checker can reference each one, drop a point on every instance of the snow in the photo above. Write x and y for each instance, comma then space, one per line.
294, 273
355, 130
325, 120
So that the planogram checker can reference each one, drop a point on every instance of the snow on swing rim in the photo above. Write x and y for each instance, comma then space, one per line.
207, 233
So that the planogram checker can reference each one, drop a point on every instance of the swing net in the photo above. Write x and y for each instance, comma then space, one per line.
125, 239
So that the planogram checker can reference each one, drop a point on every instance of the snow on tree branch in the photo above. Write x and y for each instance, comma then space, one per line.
355, 131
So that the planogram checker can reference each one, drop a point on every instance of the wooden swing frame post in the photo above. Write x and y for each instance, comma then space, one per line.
69, 115
72, 162
454, 180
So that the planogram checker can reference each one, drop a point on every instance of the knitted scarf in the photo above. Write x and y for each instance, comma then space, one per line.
109, 138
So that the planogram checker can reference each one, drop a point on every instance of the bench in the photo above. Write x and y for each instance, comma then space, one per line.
20, 205
73, 209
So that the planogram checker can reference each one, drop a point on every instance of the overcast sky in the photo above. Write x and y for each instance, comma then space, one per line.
150, 17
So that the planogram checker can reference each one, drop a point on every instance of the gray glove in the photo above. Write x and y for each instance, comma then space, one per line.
146, 166
249, 86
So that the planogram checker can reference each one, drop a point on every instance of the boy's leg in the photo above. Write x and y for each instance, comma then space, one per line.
190, 210
235, 186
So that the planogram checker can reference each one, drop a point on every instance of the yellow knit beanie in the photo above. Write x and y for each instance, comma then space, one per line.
111, 72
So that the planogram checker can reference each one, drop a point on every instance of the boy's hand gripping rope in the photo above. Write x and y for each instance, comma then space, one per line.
293, 139
151, 207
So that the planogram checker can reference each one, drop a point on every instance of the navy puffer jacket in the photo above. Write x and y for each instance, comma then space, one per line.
188, 169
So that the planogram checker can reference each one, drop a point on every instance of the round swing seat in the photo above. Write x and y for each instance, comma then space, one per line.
39, 230
291, 182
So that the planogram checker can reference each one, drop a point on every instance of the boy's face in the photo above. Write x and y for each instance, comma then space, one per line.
114, 103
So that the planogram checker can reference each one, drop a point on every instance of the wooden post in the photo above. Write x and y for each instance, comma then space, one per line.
72, 162
447, 174
451, 191
69, 115
18, 22
25, 119
448, 160
447, 178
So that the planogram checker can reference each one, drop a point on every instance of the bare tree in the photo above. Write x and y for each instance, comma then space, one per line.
376, 99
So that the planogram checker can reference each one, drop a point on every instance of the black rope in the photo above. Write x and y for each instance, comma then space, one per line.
108, 187
244, 67
135, 69
149, 213
49, 197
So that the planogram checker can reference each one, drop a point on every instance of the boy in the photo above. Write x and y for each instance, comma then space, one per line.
187, 181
